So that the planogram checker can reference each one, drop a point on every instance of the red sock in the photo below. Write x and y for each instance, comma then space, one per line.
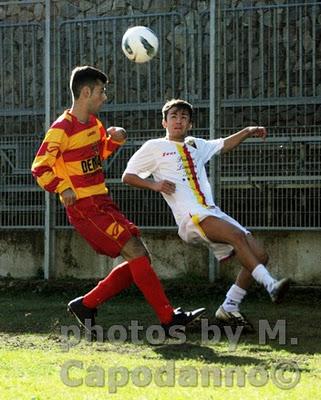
118, 279
149, 284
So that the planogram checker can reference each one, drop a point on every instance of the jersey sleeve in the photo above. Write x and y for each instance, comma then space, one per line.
143, 162
43, 165
209, 148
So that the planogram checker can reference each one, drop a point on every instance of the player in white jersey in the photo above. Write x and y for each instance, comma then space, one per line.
177, 164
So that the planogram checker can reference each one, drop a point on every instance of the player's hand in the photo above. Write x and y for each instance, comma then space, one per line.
165, 186
117, 133
68, 197
257, 131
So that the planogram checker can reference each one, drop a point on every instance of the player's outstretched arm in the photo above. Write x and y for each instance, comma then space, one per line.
164, 186
234, 140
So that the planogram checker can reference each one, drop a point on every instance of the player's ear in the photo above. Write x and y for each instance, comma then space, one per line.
85, 91
164, 123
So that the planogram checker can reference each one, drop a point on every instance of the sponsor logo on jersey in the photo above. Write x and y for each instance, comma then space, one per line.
90, 165
172, 153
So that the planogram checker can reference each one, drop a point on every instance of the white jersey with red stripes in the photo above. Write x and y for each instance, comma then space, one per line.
182, 164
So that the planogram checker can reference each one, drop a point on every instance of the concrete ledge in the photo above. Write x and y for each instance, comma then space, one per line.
293, 254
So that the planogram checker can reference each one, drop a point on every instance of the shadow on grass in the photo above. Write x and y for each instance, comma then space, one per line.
205, 354
37, 307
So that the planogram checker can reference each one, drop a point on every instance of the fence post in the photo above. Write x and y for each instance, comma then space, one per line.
49, 234
213, 268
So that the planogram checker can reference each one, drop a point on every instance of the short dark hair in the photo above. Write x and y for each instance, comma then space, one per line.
180, 104
85, 76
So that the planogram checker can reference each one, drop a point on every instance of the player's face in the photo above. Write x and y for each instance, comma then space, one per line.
97, 98
177, 123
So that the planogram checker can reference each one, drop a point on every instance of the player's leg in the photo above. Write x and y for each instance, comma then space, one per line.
84, 308
244, 278
134, 248
145, 278
191, 232
109, 232
101, 224
219, 230
229, 311
257, 249
119, 279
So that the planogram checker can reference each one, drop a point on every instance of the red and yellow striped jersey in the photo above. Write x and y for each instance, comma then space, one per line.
71, 155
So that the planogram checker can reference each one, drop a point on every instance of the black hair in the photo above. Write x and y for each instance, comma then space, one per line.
180, 104
85, 76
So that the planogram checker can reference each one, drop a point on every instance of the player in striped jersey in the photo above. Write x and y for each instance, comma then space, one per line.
177, 164
69, 162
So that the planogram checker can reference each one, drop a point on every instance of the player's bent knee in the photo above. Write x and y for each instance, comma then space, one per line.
134, 248
238, 239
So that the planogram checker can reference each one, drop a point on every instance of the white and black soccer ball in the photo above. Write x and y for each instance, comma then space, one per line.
139, 44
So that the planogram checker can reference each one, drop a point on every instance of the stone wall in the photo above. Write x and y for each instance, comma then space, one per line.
293, 254
288, 67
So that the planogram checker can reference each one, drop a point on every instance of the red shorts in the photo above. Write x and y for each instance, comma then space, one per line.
100, 222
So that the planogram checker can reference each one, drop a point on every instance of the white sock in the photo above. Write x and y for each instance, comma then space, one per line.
262, 276
234, 298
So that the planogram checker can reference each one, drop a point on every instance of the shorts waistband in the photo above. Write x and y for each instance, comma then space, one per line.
86, 201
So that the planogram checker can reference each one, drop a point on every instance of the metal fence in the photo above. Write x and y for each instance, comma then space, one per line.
268, 73
22, 118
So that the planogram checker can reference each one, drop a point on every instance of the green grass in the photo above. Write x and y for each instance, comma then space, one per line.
34, 356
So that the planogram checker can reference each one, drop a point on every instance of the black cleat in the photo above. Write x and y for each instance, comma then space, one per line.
181, 319
84, 315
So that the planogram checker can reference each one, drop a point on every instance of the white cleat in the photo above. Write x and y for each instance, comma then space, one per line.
279, 290
234, 318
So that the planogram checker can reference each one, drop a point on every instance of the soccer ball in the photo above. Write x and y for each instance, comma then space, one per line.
140, 44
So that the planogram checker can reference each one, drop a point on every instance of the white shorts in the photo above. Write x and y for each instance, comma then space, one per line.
191, 232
